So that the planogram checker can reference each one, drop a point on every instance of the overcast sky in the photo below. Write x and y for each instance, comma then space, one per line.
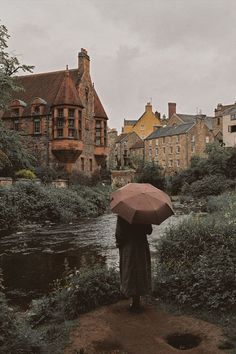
181, 51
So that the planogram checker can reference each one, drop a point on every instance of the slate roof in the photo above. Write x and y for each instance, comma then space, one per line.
121, 137
187, 118
129, 122
46, 86
230, 110
171, 130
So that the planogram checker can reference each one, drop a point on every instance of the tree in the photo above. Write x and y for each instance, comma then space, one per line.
9, 67
14, 152
151, 172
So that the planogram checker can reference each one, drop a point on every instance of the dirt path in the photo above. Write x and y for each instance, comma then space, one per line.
112, 329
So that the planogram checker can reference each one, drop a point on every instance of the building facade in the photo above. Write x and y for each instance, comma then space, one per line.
123, 144
173, 146
63, 114
145, 124
229, 126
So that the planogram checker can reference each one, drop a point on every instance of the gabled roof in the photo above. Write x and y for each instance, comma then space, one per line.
121, 137
129, 122
138, 145
171, 130
144, 115
188, 118
46, 86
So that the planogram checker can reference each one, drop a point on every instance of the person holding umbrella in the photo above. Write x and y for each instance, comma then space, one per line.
138, 206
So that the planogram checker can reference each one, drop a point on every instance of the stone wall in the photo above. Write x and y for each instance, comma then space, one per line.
120, 178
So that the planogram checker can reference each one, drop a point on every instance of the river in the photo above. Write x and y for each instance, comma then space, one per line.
32, 258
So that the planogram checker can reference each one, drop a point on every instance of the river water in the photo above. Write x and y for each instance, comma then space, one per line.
31, 259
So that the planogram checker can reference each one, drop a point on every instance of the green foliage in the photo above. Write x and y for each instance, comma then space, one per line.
9, 66
15, 336
208, 185
46, 174
78, 292
150, 172
224, 206
32, 202
27, 174
15, 154
196, 264
220, 164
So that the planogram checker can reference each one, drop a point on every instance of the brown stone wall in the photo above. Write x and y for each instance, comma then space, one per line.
122, 149
121, 178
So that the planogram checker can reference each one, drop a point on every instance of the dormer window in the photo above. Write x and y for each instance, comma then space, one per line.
36, 110
37, 129
15, 112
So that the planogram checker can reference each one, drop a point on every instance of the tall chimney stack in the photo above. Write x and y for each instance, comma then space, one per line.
148, 107
83, 62
171, 109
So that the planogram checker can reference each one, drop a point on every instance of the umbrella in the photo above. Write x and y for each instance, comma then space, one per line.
141, 203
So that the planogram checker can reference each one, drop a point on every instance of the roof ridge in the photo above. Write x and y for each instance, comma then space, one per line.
45, 73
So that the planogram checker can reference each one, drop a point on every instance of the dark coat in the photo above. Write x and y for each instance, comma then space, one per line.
135, 261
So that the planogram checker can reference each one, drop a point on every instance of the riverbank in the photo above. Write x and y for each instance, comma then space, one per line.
28, 202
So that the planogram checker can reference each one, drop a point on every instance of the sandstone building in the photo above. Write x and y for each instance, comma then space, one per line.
63, 113
184, 136
145, 124
123, 148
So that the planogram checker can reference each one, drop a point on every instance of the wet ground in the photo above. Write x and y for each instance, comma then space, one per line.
32, 258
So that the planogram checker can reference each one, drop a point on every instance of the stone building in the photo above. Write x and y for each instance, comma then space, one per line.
173, 146
145, 124
229, 126
111, 158
122, 149
137, 153
63, 114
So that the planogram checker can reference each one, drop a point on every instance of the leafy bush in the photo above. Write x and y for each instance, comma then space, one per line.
27, 174
152, 173
15, 336
78, 292
209, 185
224, 206
32, 202
196, 264
46, 174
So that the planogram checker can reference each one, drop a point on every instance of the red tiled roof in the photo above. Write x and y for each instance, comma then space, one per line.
47, 86
67, 93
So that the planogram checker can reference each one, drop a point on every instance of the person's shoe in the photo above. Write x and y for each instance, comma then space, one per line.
135, 308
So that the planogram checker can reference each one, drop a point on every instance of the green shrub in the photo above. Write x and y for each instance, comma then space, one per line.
78, 292
46, 174
152, 173
209, 185
196, 264
27, 174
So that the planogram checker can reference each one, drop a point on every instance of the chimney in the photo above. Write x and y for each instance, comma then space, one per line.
83, 62
171, 109
148, 107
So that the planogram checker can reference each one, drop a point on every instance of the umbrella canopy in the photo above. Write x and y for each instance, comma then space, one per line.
141, 203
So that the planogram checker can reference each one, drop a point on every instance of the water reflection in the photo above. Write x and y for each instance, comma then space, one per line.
32, 259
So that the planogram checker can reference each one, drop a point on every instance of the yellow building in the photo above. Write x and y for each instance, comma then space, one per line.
145, 125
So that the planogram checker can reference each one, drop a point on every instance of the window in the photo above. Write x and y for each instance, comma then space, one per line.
177, 163
98, 133
156, 150
91, 165
156, 141
177, 138
150, 151
193, 148
170, 163
16, 124
36, 110
71, 123
233, 116
171, 150
82, 163
80, 126
15, 112
71, 113
207, 139
218, 121
232, 128
164, 150
60, 133
60, 122
142, 127
193, 138
150, 143
60, 112
36, 126
163, 140
177, 149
